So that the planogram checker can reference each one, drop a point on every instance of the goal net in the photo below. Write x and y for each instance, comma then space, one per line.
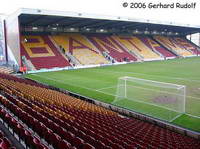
158, 99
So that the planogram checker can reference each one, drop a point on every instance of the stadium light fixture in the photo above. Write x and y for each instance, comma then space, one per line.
170, 33
34, 28
154, 32
176, 33
72, 29
162, 32
146, 32
88, 29
101, 30
135, 31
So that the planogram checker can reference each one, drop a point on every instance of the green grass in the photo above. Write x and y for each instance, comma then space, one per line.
188, 122
100, 83
147, 109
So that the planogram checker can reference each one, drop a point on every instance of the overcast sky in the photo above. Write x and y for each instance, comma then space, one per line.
110, 7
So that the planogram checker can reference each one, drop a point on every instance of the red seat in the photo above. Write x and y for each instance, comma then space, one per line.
2, 113
13, 124
55, 140
87, 146
18, 130
35, 142
41, 146
77, 142
7, 118
5, 143
28, 138
69, 137
63, 144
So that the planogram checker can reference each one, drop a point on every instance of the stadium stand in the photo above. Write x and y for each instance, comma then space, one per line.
174, 46
136, 44
42, 52
107, 43
26, 81
153, 45
187, 45
4, 69
65, 122
78, 46
88, 49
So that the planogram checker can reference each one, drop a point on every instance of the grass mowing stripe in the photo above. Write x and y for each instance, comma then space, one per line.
175, 78
145, 74
61, 81
156, 76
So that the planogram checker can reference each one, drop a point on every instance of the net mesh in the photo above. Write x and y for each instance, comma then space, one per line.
162, 100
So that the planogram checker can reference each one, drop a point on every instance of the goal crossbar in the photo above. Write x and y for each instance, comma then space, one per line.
177, 85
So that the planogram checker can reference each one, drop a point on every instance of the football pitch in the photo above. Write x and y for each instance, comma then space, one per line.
101, 84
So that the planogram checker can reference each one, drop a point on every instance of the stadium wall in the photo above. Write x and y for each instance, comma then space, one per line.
2, 41
13, 39
76, 67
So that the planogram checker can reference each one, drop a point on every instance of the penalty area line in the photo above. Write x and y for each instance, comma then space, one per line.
192, 115
72, 84
105, 88
176, 117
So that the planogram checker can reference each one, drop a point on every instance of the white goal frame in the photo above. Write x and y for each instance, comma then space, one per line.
177, 92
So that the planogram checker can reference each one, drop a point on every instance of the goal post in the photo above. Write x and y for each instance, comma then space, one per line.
162, 100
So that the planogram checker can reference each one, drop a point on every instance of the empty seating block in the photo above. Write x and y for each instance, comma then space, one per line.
151, 44
171, 44
110, 45
187, 45
139, 46
42, 52
6, 70
80, 48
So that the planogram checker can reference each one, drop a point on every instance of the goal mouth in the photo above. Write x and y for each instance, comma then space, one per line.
158, 99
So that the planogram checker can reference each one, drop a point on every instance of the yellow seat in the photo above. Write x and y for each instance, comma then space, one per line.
173, 45
135, 45
80, 48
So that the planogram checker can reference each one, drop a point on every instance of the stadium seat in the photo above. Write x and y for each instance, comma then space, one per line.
80, 48
174, 46
43, 54
63, 144
138, 45
87, 146
106, 43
